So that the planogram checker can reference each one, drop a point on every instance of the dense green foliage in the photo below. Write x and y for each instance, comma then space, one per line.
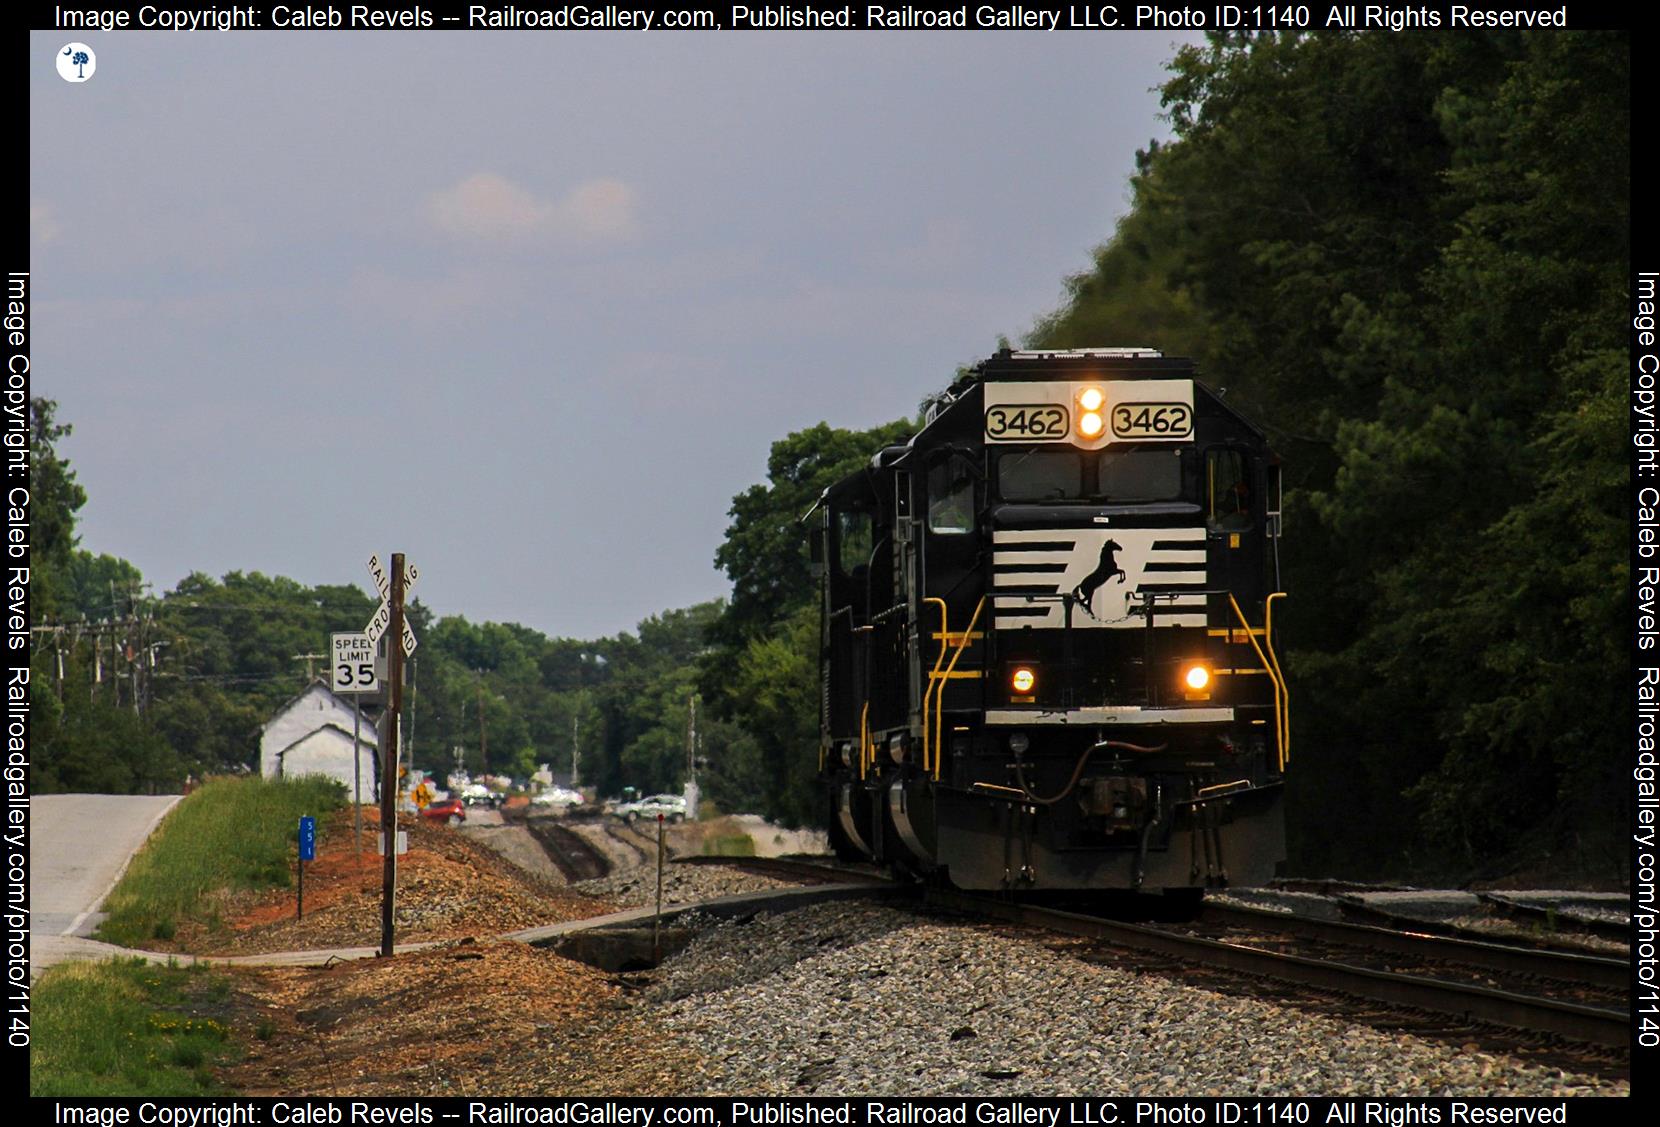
762, 674
126, 1028
156, 688
135, 692
1406, 256
228, 834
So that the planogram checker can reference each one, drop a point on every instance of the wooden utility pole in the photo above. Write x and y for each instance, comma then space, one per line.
389, 754
483, 738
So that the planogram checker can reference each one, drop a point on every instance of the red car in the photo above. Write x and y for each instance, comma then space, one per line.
450, 810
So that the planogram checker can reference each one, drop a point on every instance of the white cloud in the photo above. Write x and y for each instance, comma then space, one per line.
42, 224
486, 207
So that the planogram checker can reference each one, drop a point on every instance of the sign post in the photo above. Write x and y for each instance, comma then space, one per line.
308, 852
389, 618
352, 670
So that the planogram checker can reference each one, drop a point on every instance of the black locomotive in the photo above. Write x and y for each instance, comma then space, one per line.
1047, 652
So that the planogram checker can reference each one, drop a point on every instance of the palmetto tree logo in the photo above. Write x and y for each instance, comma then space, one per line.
76, 62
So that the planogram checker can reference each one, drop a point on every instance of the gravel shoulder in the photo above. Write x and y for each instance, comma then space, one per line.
863, 1000
833, 999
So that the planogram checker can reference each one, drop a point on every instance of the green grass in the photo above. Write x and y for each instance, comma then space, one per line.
228, 834
125, 1027
728, 845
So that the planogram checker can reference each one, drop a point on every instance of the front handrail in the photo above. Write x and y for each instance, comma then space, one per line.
939, 696
933, 675
1268, 641
1280, 726
864, 738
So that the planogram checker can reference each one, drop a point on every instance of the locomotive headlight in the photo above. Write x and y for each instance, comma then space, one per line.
1090, 424
1091, 398
1023, 680
1196, 678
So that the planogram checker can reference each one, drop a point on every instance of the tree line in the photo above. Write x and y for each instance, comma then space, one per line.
136, 691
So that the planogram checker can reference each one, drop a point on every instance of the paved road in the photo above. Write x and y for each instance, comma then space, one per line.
79, 846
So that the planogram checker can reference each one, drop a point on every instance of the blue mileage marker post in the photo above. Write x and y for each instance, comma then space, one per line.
308, 852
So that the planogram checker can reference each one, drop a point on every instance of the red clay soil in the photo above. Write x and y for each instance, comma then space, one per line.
448, 887
475, 1016
495, 1019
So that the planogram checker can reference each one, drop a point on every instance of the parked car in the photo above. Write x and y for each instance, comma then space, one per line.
558, 797
451, 810
629, 795
671, 806
476, 795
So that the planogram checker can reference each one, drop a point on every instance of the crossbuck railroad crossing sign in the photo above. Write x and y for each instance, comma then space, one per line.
383, 613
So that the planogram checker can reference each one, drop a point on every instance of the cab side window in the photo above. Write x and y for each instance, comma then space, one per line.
853, 542
1229, 504
951, 498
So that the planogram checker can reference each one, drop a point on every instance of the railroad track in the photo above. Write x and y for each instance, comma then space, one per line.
1611, 976
1595, 1024
792, 868
1555, 919
572, 854
630, 838
1555, 939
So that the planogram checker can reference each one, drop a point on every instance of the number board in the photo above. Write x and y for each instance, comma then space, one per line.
1056, 411
352, 664
1026, 422
1151, 420
308, 838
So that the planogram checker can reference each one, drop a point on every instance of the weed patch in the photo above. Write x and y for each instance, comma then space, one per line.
729, 845
127, 1027
229, 834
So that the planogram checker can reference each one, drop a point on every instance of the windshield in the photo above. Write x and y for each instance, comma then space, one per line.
1041, 475
1149, 474
1133, 474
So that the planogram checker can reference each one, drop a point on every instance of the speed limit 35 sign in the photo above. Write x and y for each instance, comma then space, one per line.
352, 665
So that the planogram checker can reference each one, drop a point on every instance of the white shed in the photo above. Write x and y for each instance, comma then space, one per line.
312, 735
328, 752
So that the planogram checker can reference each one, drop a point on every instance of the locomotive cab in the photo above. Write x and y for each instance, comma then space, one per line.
1048, 658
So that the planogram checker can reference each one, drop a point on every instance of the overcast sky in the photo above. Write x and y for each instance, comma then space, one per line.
531, 308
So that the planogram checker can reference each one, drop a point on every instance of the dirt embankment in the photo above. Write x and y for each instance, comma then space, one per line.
475, 1016
495, 1018
449, 887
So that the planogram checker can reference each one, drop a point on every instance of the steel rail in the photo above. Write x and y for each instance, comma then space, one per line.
786, 867
1564, 966
1355, 910
1561, 920
1474, 1003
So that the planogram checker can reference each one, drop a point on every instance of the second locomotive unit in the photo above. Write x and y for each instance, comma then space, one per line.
1048, 658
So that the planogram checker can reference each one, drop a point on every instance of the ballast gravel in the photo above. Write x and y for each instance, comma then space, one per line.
682, 884
862, 1000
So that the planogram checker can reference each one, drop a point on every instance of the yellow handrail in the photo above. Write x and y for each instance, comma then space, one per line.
933, 674
1268, 640
939, 697
1273, 676
864, 737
